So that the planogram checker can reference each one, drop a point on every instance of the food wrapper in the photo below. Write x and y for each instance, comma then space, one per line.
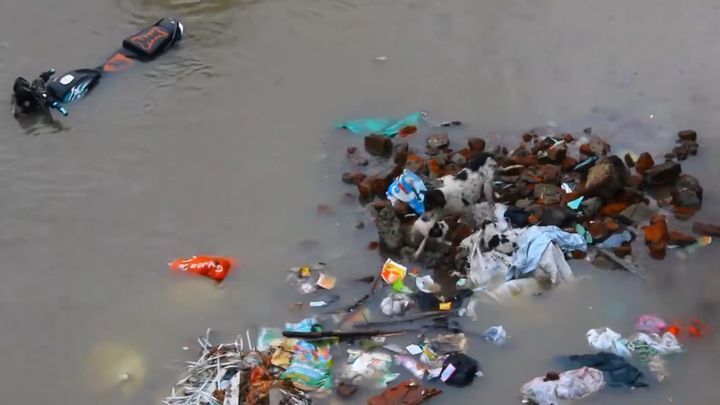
327, 282
214, 267
408, 188
392, 272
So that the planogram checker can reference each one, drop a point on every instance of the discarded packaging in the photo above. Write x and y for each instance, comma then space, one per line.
308, 278
327, 282
392, 271
214, 267
410, 189
427, 284
414, 349
495, 334
231, 374
607, 340
395, 304
371, 365
415, 367
446, 344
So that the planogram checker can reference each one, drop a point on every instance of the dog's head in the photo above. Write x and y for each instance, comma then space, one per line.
482, 160
434, 199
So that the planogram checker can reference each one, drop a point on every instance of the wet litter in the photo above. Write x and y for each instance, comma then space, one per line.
213, 267
459, 227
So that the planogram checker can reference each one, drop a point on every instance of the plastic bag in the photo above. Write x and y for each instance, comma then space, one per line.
650, 324
408, 188
567, 386
664, 345
553, 267
486, 269
395, 304
415, 367
383, 126
310, 367
214, 267
371, 365
607, 340
495, 334
459, 370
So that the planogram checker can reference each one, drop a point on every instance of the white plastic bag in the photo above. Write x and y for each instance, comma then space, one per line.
607, 340
553, 266
572, 385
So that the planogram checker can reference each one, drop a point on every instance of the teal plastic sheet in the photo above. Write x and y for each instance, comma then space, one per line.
382, 126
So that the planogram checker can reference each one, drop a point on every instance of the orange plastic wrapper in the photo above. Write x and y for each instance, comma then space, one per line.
392, 271
214, 267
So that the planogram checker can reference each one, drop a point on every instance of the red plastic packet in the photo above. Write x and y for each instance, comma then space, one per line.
696, 328
214, 267
674, 329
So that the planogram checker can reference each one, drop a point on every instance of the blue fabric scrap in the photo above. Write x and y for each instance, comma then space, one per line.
532, 244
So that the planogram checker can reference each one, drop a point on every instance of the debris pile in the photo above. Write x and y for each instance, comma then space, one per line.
232, 374
491, 216
480, 221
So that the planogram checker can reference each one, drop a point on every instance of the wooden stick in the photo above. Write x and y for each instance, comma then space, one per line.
340, 334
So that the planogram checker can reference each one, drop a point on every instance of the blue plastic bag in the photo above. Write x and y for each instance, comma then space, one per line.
408, 188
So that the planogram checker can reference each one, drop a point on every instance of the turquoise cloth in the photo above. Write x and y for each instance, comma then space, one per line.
382, 126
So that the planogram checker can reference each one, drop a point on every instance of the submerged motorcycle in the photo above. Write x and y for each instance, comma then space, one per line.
45, 94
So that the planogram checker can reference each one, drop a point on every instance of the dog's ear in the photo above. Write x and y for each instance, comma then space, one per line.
434, 199
479, 161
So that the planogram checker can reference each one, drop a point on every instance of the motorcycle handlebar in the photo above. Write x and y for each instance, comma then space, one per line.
60, 108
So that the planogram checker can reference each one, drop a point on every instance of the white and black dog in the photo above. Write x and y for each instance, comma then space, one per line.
470, 186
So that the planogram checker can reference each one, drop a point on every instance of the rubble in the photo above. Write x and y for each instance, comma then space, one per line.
438, 141
706, 229
687, 192
663, 174
476, 145
644, 163
378, 145
688, 135
657, 236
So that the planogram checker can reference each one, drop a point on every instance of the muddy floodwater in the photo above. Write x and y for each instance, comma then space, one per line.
226, 145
